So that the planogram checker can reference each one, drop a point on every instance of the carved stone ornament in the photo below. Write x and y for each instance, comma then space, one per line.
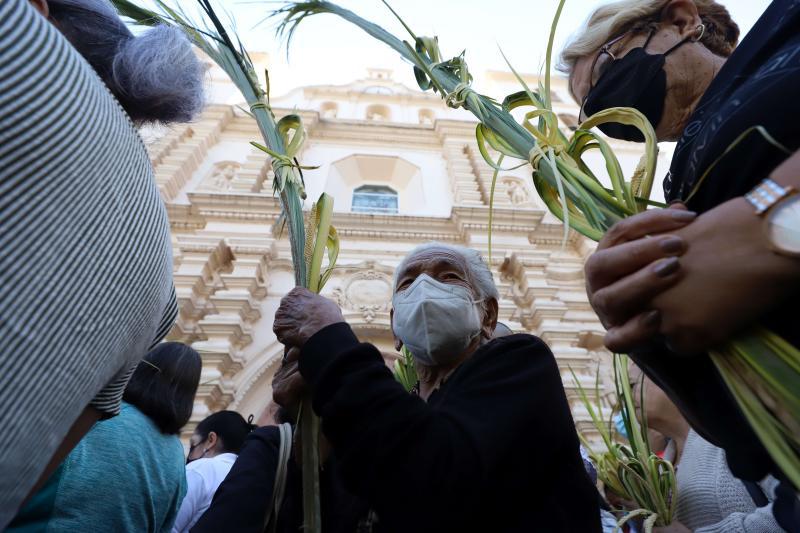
222, 176
517, 192
366, 291
513, 271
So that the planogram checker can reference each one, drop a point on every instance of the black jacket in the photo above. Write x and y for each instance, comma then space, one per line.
493, 450
241, 501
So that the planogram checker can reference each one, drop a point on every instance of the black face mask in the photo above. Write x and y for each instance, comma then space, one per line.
637, 80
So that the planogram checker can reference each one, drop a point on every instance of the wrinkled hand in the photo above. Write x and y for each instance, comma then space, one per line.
301, 314
674, 527
635, 261
288, 386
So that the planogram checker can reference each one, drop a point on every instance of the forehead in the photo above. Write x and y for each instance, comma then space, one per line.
434, 258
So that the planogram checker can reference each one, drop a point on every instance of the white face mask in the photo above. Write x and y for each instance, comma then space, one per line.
435, 321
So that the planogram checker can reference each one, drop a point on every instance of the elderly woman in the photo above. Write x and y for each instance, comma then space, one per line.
677, 281
488, 445
86, 263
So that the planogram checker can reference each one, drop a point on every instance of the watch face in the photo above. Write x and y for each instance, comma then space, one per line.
783, 226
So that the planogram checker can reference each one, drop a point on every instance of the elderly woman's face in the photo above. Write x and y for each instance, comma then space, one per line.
437, 342
689, 68
440, 264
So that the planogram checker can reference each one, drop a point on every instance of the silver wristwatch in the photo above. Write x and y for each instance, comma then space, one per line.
780, 208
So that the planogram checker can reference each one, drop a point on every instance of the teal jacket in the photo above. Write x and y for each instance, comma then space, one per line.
124, 476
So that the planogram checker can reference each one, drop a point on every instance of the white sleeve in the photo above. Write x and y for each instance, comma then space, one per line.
759, 521
187, 514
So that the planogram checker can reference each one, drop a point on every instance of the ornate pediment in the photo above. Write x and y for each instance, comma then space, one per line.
517, 191
222, 176
365, 293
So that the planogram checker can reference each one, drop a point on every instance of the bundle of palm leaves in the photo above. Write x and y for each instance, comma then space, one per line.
310, 239
632, 470
761, 369
568, 186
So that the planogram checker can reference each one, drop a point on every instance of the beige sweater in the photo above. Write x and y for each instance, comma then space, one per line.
711, 500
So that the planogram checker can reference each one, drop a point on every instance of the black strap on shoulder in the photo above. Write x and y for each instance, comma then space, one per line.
756, 493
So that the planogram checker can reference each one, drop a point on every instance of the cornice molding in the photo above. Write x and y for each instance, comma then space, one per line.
183, 217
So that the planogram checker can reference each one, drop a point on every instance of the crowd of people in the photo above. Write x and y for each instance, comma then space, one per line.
93, 402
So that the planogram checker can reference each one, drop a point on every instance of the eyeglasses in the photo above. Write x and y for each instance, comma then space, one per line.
598, 66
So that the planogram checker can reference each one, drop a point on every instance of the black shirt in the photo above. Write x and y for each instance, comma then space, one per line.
241, 501
494, 449
757, 86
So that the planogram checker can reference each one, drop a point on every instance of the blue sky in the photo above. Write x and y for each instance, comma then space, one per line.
328, 50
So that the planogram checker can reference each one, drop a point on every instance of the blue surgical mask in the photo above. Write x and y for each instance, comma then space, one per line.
619, 423
436, 321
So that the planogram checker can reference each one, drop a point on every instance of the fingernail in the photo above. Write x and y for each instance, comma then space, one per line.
667, 267
652, 318
683, 216
671, 245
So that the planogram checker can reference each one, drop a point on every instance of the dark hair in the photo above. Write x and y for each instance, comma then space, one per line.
231, 429
155, 76
164, 384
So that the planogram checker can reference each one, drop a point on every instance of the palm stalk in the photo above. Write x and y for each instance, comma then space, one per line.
761, 370
567, 185
607, 462
283, 142
404, 370
631, 471
649, 479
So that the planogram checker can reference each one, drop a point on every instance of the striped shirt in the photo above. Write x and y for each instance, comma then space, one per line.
85, 260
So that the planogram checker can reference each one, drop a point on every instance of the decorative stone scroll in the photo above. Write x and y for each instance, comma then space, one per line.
516, 190
222, 176
512, 271
197, 277
365, 294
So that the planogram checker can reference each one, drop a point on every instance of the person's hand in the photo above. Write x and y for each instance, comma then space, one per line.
674, 527
288, 386
730, 279
630, 267
301, 314
618, 502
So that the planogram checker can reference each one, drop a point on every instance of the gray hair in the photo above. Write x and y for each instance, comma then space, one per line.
155, 76
477, 270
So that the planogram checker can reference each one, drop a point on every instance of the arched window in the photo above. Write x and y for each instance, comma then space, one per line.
329, 110
378, 112
375, 199
426, 117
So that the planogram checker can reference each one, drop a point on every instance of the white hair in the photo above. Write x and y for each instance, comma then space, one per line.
480, 277
155, 76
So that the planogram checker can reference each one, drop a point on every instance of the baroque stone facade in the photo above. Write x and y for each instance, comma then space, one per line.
425, 180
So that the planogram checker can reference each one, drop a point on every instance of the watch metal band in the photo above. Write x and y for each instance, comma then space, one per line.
766, 194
